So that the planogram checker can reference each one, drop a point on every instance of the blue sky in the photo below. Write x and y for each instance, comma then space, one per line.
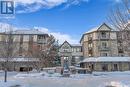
65, 19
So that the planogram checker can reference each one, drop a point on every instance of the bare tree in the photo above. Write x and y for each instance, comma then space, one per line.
119, 18
47, 54
7, 51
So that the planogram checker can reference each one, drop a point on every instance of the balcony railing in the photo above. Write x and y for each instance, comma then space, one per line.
90, 38
90, 48
41, 41
104, 48
104, 37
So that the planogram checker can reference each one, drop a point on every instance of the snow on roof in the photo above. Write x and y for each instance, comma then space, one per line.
49, 68
76, 45
20, 59
92, 30
107, 59
34, 31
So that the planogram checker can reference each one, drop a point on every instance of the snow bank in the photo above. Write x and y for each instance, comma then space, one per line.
42, 74
116, 73
12, 84
21, 75
106, 59
117, 84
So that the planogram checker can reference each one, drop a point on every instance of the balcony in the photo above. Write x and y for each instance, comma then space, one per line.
41, 41
89, 38
90, 48
104, 48
104, 37
120, 51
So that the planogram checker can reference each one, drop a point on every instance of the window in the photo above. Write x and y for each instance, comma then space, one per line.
31, 38
78, 50
120, 51
104, 44
103, 34
115, 67
90, 45
73, 61
66, 50
74, 50
39, 46
40, 36
21, 39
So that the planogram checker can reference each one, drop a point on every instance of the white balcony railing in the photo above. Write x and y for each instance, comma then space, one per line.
41, 41
104, 48
104, 37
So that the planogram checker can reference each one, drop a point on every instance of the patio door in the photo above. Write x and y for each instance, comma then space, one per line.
115, 67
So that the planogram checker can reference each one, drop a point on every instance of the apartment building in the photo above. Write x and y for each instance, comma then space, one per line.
100, 41
104, 43
72, 53
23, 43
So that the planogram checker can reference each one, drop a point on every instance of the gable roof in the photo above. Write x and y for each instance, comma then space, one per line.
95, 29
64, 43
76, 45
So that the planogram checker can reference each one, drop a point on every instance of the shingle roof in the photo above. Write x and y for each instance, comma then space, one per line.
92, 30
19, 59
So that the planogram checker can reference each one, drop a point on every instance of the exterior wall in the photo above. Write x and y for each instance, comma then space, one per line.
97, 45
95, 38
98, 66
15, 66
23, 41
72, 53
85, 49
114, 50
93, 41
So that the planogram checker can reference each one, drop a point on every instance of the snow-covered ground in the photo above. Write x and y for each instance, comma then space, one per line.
42, 79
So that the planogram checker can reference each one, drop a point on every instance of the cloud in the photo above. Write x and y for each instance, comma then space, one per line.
27, 6
59, 36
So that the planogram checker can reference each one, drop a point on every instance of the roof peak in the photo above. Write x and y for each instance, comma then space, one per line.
98, 27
